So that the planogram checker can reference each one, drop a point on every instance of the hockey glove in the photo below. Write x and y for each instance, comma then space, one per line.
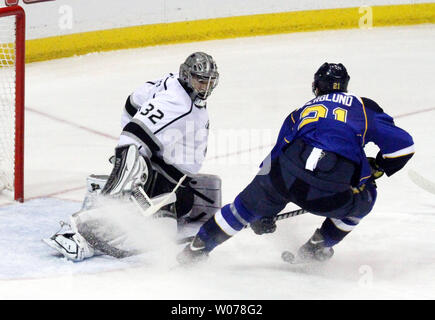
377, 171
264, 225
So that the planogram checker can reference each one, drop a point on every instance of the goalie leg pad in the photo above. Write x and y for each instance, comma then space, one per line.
211, 187
94, 185
103, 245
110, 227
95, 182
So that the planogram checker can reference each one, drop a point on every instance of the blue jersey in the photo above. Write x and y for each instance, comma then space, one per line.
344, 123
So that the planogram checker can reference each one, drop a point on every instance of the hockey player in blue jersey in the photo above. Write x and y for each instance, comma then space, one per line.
319, 164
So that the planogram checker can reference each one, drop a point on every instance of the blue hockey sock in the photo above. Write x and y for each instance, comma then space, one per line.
224, 224
332, 233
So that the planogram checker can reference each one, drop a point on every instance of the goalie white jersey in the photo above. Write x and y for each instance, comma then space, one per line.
161, 119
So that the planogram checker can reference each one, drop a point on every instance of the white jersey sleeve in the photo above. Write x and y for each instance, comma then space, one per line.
135, 100
167, 126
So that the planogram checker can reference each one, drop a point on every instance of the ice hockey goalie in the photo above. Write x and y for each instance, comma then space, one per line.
160, 151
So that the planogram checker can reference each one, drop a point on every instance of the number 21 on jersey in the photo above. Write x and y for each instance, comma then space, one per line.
313, 113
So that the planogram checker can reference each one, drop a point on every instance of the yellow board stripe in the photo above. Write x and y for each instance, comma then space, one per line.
223, 28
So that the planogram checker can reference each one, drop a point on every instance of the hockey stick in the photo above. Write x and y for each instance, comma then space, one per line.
285, 215
289, 214
278, 217
148, 206
421, 181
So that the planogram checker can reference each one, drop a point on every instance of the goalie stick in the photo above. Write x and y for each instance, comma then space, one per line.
148, 207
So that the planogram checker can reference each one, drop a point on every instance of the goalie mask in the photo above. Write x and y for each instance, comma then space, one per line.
199, 74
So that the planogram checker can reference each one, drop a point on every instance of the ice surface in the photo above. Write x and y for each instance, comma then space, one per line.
23, 253
72, 123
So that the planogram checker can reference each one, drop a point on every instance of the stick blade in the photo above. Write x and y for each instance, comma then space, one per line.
421, 181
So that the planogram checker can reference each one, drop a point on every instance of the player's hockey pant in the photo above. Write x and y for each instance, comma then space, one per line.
325, 192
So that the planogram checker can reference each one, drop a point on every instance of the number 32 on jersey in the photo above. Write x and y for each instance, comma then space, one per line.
313, 113
153, 117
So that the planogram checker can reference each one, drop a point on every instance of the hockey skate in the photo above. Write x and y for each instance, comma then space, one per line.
314, 249
70, 244
194, 252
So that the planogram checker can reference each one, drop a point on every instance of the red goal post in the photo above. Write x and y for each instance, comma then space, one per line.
12, 64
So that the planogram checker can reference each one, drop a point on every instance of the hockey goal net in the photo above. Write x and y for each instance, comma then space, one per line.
12, 39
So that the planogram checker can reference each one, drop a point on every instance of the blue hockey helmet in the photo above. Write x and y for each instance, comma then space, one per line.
331, 77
